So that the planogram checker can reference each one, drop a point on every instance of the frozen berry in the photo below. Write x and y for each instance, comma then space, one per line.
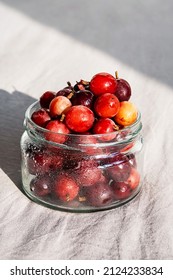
87, 173
120, 168
99, 195
66, 188
42, 162
103, 83
134, 178
121, 190
79, 118
72, 160
41, 185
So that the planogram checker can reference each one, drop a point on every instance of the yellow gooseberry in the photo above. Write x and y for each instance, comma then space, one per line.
127, 114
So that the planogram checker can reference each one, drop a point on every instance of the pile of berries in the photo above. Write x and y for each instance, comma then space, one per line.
100, 106
97, 107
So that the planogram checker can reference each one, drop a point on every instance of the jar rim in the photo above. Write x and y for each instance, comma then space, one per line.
131, 130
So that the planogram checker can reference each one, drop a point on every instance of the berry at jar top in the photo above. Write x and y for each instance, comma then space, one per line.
98, 106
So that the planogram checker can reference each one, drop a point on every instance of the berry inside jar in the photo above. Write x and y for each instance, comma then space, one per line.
81, 150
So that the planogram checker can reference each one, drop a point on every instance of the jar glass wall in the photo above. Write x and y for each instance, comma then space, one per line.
87, 172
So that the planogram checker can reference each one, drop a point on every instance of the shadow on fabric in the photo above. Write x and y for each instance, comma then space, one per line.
12, 111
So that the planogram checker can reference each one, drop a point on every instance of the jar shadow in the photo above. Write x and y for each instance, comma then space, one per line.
12, 110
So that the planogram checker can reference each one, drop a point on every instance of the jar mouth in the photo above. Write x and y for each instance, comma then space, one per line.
121, 136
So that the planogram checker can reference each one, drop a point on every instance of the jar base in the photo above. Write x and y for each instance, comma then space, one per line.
84, 209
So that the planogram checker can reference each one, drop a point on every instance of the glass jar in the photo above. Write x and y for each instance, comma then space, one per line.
87, 172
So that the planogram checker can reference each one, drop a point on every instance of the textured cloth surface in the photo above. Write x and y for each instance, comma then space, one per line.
43, 46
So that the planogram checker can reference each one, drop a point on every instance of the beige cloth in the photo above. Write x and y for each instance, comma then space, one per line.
44, 44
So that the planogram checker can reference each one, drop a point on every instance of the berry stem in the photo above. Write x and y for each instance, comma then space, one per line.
62, 117
85, 83
116, 127
67, 197
69, 84
70, 94
82, 198
116, 75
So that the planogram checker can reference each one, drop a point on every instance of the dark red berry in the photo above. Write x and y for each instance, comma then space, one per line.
46, 98
40, 117
121, 190
103, 83
42, 162
120, 168
99, 195
123, 91
83, 97
72, 160
65, 92
41, 185
81, 85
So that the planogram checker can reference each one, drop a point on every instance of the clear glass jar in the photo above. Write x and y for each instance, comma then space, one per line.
87, 172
